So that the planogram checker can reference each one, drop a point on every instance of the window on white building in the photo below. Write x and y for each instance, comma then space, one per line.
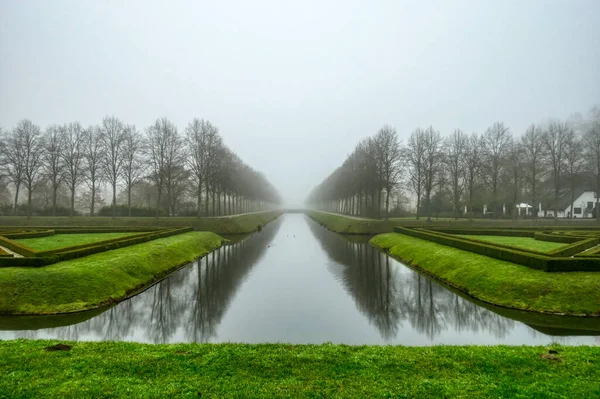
577, 211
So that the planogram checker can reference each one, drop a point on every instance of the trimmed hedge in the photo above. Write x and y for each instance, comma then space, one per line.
5, 254
560, 238
484, 232
67, 253
575, 248
18, 248
28, 234
529, 259
86, 245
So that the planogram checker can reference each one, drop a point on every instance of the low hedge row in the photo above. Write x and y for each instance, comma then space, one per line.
5, 254
18, 248
484, 232
87, 245
560, 238
37, 261
575, 248
528, 259
28, 234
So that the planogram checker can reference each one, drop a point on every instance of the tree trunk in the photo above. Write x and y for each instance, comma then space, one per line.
114, 199
387, 203
17, 186
129, 200
54, 192
199, 199
72, 210
29, 202
93, 198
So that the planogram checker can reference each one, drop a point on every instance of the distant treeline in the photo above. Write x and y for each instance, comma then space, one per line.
446, 174
172, 173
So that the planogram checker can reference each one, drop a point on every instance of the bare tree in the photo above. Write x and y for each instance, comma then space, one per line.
197, 133
112, 161
72, 153
388, 154
133, 163
555, 139
574, 163
92, 154
165, 154
494, 145
32, 148
533, 150
12, 162
432, 165
415, 153
455, 157
53, 163
514, 172
592, 152
472, 166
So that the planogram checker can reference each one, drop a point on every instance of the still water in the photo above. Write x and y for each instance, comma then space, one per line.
297, 282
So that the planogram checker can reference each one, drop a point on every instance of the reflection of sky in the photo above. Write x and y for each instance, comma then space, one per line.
296, 282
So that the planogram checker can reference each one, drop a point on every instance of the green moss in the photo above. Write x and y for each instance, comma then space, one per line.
222, 225
98, 280
518, 242
67, 240
109, 369
498, 282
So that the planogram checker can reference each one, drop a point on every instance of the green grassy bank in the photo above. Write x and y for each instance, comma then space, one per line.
98, 280
100, 370
498, 282
242, 224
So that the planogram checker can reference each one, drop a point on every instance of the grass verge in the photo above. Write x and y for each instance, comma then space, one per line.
98, 280
243, 224
67, 240
517, 242
498, 282
108, 369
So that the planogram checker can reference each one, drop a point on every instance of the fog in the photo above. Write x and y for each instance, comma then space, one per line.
293, 87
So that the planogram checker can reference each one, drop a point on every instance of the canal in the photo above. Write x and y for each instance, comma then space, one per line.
297, 282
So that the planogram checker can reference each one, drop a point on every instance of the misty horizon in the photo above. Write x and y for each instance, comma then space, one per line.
294, 88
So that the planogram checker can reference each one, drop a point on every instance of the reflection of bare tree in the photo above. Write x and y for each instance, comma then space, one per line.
217, 279
368, 276
388, 294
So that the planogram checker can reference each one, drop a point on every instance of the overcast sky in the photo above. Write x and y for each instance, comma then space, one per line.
293, 86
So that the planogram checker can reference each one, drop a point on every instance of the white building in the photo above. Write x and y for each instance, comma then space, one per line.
583, 205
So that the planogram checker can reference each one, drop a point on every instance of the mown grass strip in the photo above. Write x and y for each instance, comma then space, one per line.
108, 369
498, 282
67, 240
517, 242
100, 279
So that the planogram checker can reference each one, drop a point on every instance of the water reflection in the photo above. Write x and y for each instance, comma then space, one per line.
297, 282
390, 296
188, 306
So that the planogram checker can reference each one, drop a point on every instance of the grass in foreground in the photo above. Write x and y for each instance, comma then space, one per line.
498, 282
100, 279
67, 240
98, 370
518, 242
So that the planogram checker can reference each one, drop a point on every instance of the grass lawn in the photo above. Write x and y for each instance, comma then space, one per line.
66, 240
495, 281
109, 369
98, 280
518, 242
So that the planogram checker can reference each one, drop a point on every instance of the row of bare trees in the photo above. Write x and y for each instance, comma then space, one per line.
174, 167
461, 173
